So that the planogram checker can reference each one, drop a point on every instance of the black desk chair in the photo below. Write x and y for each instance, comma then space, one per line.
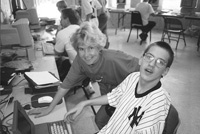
173, 28
172, 121
136, 22
84, 84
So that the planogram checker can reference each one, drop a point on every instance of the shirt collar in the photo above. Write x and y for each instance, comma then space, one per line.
147, 92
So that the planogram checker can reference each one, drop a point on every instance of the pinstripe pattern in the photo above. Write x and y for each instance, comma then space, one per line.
155, 106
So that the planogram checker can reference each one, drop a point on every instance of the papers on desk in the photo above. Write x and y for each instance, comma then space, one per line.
131, 9
42, 79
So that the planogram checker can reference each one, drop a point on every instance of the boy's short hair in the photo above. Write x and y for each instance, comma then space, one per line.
165, 46
87, 34
72, 15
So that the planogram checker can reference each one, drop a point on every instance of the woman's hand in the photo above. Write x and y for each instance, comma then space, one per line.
74, 112
39, 112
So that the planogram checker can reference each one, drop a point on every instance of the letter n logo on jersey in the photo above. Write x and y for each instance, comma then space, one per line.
135, 117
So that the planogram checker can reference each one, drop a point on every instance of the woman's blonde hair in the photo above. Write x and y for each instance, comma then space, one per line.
88, 34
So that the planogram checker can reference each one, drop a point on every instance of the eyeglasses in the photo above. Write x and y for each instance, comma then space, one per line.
159, 62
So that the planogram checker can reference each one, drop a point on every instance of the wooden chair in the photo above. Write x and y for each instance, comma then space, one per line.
136, 22
173, 29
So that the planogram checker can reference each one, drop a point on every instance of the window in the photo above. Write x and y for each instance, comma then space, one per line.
47, 8
171, 4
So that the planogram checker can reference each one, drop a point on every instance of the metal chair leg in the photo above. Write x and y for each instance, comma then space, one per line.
87, 96
178, 41
129, 34
184, 38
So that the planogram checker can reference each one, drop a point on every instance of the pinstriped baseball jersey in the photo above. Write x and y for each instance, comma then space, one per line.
137, 113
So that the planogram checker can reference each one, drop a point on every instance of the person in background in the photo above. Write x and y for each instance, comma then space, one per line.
142, 104
145, 10
70, 21
90, 9
103, 19
61, 5
107, 67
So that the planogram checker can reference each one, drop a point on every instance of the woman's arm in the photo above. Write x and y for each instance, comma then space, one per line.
72, 114
45, 111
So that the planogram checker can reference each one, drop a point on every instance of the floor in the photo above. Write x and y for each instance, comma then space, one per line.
182, 81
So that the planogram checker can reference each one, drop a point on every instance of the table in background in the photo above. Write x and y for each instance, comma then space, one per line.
121, 12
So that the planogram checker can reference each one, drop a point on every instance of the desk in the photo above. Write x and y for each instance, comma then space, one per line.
121, 15
40, 64
168, 14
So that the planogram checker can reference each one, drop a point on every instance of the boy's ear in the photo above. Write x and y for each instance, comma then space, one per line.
165, 72
140, 60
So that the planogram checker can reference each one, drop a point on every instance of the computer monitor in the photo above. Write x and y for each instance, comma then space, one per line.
17, 33
21, 122
31, 14
22, 26
9, 35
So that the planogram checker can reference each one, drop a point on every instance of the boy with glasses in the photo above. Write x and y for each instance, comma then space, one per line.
141, 103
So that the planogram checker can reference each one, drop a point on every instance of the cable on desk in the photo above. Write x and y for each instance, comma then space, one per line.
19, 82
2, 113
7, 116
1, 101
7, 122
5, 129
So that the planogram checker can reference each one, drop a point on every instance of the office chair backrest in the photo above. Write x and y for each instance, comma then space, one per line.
136, 18
173, 23
172, 121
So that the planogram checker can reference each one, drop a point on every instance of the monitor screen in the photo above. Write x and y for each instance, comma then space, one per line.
9, 35
21, 122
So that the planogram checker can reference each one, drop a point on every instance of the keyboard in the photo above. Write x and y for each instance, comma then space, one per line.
59, 127
48, 48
